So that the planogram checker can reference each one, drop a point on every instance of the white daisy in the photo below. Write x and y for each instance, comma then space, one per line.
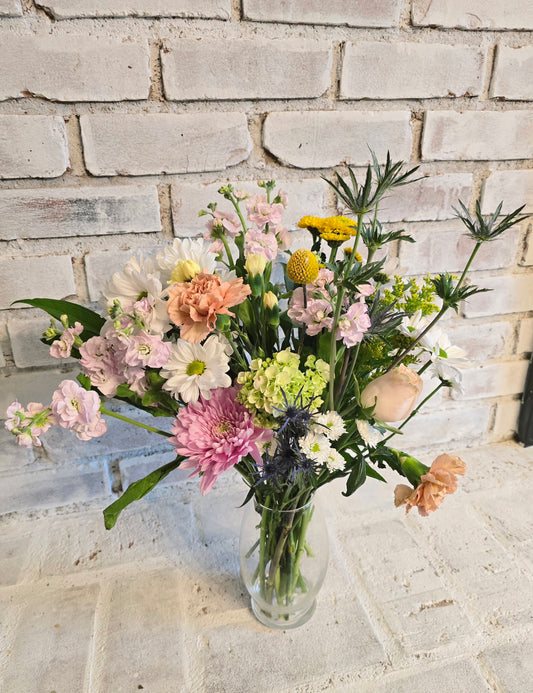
330, 424
444, 371
335, 460
316, 447
196, 369
185, 250
368, 433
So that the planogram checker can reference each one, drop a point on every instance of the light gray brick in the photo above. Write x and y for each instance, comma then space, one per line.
131, 144
512, 664
381, 13
53, 640
137, 467
73, 68
28, 387
13, 457
65, 9
148, 603
477, 135
13, 550
468, 424
492, 340
320, 139
512, 77
28, 350
525, 336
429, 199
50, 488
509, 294
401, 70
245, 69
33, 146
304, 197
58, 212
10, 8
28, 277
473, 14
515, 188
448, 251
494, 380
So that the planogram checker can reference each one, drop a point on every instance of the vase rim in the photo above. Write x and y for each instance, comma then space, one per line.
288, 510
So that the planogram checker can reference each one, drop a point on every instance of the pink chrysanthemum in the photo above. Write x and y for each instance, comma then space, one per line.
215, 434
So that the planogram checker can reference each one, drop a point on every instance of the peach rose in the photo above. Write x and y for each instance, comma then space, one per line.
438, 482
395, 394
194, 305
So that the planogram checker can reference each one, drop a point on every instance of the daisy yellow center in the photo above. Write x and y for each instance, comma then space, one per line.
302, 267
196, 368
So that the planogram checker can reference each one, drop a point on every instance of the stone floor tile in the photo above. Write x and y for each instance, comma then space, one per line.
13, 551
144, 639
52, 642
512, 665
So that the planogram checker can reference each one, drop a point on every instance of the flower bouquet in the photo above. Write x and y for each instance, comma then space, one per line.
293, 368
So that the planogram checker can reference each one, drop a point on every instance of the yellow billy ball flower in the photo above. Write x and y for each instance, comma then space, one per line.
255, 264
302, 267
184, 271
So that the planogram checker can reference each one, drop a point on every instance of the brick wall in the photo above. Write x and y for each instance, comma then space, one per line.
119, 120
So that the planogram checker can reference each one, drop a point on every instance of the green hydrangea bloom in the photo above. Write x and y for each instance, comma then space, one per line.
268, 380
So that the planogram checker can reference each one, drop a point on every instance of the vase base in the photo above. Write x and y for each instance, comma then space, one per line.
283, 621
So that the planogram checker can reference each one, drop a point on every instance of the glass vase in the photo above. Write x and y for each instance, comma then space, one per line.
283, 560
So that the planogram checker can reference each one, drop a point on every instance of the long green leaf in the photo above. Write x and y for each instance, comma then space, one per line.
357, 477
137, 490
91, 321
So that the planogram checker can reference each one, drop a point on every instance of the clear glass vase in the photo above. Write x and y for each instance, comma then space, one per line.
283, 559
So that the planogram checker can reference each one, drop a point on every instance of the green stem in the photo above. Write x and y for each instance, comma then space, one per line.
349, 374
228, 251
104, 410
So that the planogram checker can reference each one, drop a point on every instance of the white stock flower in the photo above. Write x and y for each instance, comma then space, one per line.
438, 344
329, 424
444, 371
196, 369
185, 250
413, 326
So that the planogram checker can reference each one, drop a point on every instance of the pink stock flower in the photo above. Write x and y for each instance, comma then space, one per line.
435, 485
229, 222
283, 236
260, 243
62, 347
353, 324
78, 409
261, 213
146, 350
28, 424
99, 362
215, 434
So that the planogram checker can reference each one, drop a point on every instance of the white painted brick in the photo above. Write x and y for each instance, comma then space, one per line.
28, 277
28, 350
527, 257
461, 675
492, 340
52, 641
10, 8
137, 467
494, 380
512, 664
473, 14
467, 424
525, 336
304, 197
320, 139
477, 135
506, 421
512, 76
100, 266
28, 387
73, 68
33, 146
245, 69
64, 9
429, 199
381, 13
130, 144
148, 603
509, 294
58, 212
448, 251
515, 188
13, 550
379, 70
13, 457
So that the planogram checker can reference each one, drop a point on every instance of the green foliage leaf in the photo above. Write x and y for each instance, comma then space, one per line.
91, 321
371, 472
137, 490
84, 381
357, 477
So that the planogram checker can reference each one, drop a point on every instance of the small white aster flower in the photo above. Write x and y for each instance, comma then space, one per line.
368, 433
315, 446
444, 371
196, 369
330, 424
335, 460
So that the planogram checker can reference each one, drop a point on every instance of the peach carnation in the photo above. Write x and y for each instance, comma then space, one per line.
438, 482
194, 305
